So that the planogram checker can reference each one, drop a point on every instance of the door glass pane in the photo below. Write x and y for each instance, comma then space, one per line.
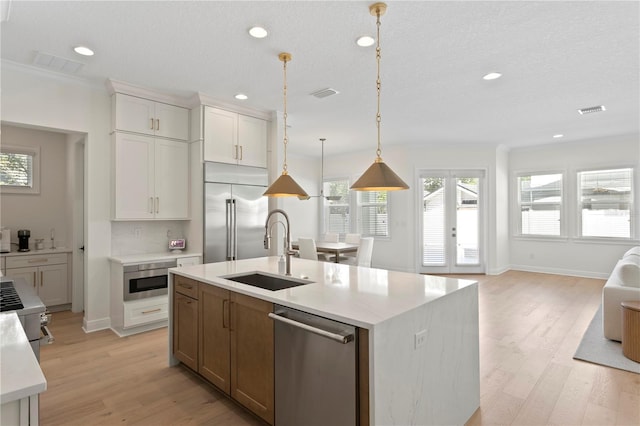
433, 220
467, 195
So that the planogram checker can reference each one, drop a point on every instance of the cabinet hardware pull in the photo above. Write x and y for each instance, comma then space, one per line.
34, 279
188, 287
157, 204
225, 313
151, 205
157, 124
41, 278
38, 260
151, 124
231, 316
235, 152
240, 151
152, 311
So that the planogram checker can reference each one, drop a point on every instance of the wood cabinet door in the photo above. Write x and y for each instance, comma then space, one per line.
220, 135
252, 141
133, 173
214, 362
171, 181
252, 370
185, 330
53, 287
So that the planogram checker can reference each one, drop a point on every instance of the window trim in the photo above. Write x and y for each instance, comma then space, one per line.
633, 236
33, 151
516, 206
358, 216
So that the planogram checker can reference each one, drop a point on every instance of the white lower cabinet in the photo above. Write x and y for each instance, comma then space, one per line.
48, 274
144, 311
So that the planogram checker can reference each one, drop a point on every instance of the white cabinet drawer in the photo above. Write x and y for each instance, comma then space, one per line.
35, 260
145, 311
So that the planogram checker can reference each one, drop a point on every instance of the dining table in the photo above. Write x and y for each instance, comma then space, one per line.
336, 249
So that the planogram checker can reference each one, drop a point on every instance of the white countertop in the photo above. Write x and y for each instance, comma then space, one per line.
151, 257
359, 296
20, 373
37, 252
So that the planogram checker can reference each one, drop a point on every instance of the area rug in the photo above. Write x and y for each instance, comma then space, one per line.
598, 350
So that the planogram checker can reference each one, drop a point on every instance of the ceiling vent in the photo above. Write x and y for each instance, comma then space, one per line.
323, 93
590, 110
56, 63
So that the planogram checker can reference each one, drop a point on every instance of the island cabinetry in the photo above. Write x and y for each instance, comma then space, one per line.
47, 273
185, 314
151, 178
234, 345
234, 138
139, 115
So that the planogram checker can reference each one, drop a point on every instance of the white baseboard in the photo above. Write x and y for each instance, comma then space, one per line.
121, 332
561, 271
498, 271
96, 325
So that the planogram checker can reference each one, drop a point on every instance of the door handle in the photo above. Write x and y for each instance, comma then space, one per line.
228, 226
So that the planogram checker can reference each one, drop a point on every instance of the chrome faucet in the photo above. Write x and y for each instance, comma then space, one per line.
287, 242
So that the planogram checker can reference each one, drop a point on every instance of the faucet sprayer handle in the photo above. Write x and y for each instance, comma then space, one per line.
267, 241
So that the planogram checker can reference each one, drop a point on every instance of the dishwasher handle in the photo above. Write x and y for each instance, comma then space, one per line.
344, 339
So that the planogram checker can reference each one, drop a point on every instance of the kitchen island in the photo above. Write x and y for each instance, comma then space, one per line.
422, 364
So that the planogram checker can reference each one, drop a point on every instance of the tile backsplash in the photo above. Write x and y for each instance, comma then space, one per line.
143, 237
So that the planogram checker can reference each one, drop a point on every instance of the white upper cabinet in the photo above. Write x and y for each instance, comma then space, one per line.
151, 178
139, 115
234, 138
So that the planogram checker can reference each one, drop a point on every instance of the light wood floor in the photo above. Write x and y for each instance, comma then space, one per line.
530, 327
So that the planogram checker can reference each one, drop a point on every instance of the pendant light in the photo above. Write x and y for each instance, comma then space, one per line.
285, 186
379, 176
328, 197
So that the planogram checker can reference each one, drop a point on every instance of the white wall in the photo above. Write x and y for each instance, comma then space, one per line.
35, 99
572, 256
400, 252
46, 210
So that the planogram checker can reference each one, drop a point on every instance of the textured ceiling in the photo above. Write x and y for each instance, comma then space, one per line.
555, 57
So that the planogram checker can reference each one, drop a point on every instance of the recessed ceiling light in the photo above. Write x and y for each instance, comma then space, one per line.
242, 96
558, 136
83, 50
492, 76
365, 41
258, 32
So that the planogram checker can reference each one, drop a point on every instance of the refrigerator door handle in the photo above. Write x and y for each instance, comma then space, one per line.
235, 229
228, 228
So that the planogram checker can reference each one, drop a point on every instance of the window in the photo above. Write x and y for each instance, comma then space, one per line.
372, 214
20, 169
336, 208
605, 202
540, 204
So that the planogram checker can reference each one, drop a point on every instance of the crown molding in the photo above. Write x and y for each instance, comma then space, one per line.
51, 75
116, 86
202, 99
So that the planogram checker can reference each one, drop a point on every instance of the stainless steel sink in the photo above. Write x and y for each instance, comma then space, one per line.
267, 281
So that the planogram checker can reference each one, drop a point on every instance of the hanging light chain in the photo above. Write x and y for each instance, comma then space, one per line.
285, 58
378, 82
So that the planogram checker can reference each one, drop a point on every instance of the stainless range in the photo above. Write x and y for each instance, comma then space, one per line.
16, 295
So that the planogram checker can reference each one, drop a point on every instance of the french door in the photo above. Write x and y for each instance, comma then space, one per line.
451, 216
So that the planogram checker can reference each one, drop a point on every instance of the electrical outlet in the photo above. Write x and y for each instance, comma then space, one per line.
420, 338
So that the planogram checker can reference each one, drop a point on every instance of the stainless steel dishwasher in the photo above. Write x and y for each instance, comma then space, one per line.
315, 370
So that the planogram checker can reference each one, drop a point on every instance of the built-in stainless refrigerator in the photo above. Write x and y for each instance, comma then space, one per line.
234, 212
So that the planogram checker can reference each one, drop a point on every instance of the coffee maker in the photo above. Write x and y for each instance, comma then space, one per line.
23, 239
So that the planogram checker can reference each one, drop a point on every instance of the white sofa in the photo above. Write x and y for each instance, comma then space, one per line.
623, 285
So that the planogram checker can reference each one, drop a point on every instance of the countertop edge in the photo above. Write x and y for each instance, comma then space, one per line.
150, 257
21, 372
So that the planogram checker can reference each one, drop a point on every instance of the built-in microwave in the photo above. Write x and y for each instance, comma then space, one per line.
146, 279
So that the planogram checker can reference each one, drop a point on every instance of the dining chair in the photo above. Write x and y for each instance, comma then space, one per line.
349, 239
352, 238
331, 237
364, 253
307, 248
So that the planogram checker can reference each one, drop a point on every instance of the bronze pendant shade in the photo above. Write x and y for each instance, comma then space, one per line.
379, 176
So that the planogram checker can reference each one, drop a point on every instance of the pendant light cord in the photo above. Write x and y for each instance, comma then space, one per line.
378, 83
286, 139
